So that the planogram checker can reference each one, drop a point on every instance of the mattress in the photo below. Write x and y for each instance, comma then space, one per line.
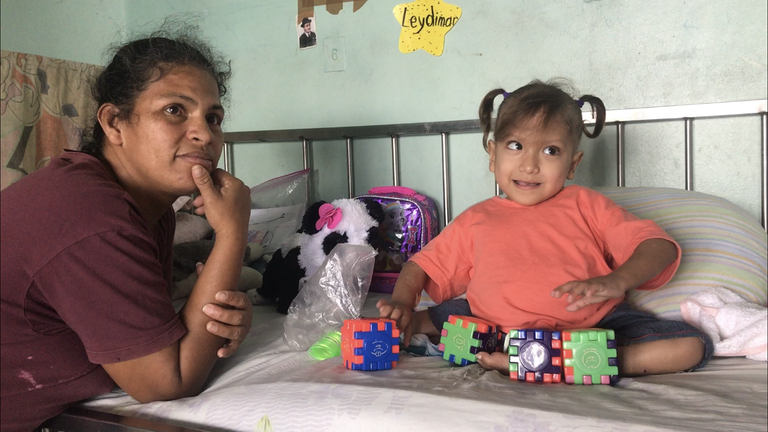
267, 386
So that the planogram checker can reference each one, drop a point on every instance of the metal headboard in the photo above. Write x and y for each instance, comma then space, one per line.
618, 118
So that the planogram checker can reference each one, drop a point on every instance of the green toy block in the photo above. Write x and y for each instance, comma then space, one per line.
589, 357
463, 337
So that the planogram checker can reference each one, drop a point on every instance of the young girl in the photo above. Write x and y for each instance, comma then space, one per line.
547, 256
88, 243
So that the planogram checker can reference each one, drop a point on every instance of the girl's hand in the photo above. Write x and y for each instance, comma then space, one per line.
224, 200
232, 321
648, 260
587, 292
400, 313
405, 296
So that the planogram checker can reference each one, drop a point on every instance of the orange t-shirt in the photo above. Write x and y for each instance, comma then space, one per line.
508, 257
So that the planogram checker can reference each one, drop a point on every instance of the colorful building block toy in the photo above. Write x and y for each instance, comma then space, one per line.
589, 357
462, 337
370, 344
534, 355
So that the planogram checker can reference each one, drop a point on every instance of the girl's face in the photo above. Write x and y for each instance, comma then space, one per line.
176, 124
532, 163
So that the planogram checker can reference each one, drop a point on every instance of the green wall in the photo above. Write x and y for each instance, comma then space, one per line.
75, 30
630, 53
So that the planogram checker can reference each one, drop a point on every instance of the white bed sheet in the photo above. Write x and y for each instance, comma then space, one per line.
266, 380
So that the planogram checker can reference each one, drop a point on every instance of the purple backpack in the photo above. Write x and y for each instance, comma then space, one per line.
410, 222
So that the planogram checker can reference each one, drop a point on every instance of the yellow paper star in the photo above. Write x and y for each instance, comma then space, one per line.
424, 23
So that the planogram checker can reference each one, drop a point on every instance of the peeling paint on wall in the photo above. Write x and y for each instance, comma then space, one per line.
307, 7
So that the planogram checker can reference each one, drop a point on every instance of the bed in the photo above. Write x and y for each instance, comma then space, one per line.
267, 386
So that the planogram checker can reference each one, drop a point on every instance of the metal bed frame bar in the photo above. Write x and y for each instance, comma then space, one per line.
618, 118
85, 420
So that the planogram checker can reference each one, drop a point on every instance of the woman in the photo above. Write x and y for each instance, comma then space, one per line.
87, 244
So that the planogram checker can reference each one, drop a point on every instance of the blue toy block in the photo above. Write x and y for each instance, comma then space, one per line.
370, 344
534, 355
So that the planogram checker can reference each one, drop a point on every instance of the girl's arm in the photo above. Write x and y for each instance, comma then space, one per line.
410, 282
649, 259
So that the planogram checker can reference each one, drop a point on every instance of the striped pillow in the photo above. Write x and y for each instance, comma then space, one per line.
722, 246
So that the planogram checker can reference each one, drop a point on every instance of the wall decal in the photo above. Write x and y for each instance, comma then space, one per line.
306, 7
424, 23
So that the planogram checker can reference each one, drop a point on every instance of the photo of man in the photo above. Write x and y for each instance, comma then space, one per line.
307, 38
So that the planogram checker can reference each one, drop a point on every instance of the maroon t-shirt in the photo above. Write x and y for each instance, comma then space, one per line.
83, 282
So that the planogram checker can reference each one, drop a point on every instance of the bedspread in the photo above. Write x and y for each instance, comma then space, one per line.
265, 380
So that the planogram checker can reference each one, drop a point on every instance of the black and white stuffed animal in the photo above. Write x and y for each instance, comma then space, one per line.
323, 226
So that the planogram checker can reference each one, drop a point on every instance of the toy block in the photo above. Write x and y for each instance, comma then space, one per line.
589, 357
534, 355
370, 344
463, 337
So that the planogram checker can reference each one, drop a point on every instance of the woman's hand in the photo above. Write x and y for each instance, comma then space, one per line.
224, 200
232, 321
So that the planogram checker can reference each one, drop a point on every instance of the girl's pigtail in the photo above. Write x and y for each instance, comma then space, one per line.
598, 113
486, 111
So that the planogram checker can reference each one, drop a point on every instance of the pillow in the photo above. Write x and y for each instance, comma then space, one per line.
189, 227
722, 246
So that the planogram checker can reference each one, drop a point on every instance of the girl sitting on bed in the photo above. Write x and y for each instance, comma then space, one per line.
87, 244
546, 256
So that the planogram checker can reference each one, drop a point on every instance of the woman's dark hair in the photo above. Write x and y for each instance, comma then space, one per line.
550, 100
137, 64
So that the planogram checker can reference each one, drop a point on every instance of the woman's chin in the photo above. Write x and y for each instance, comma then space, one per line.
188, 188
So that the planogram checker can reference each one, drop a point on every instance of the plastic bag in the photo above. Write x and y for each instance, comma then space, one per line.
273, 226
334, 293
283, 191
277, 207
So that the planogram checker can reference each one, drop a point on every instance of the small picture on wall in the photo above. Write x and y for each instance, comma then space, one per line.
306, 32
